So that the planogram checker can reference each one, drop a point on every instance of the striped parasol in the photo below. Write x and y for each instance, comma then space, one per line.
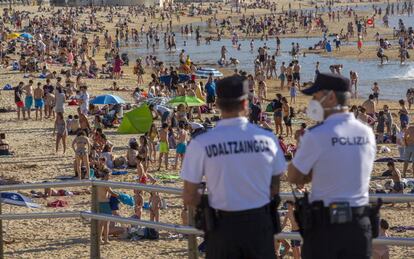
206, 71
158, 100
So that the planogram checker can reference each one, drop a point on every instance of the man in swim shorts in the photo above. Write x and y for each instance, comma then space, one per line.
28, 101
39, 103
164, 148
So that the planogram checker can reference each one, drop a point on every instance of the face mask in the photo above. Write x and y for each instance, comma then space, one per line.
315, 111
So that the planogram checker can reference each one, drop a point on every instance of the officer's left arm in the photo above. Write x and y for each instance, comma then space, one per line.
279, 168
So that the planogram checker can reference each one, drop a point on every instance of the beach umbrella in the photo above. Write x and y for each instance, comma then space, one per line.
26, 35
14, 198
187, 100
157, 100
107, 99
13, 35
205, 72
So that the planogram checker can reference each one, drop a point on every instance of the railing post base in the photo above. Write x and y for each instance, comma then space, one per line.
95, 238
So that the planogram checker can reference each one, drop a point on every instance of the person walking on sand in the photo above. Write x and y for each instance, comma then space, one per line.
38, 98
81, 145
61, 131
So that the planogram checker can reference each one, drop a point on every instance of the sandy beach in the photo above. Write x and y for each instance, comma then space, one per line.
35, 159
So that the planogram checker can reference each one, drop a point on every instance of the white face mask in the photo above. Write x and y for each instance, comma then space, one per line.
315, 111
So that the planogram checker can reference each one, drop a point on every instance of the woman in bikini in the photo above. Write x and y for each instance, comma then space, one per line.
60, 131
81, 145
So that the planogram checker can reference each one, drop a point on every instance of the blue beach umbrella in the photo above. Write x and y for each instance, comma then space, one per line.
14, 198
107, 99
26, 36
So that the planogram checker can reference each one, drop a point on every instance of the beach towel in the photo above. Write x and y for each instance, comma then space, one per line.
58, 204
73, 102
401, 229
167, 177
8, 87
119, 172
126, 199
388, 159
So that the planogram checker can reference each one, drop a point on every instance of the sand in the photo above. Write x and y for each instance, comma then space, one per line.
36, 161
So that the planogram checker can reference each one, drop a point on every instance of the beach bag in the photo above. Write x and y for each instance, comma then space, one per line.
379, 54
151, 234
7, 87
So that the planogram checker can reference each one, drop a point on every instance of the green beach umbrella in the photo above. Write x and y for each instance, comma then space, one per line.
186, 100
136, 121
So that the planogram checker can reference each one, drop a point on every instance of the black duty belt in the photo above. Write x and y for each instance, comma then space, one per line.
356, 211
222, 213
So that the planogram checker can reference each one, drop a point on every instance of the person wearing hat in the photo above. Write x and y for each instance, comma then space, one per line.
337, 157
241, 164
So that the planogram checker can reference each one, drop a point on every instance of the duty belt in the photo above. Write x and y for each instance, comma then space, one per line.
222, 213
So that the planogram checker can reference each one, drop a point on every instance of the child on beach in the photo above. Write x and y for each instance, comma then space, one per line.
293, 92
382, 251
104, 194
397, 179
164, 147
75, 125
182, 144
142, 178
155, 206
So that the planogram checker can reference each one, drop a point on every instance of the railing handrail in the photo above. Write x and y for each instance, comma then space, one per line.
394, 197
94, 216
400, 241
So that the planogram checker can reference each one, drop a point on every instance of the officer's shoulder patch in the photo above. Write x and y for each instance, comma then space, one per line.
315, 126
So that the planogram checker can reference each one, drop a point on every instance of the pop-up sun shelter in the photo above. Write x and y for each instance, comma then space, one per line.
136, 121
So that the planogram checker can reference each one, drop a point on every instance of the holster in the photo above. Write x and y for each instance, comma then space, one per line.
274, 214
374, 218
303, 213
205, 218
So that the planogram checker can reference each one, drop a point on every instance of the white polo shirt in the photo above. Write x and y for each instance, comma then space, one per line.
238, 160
340, 152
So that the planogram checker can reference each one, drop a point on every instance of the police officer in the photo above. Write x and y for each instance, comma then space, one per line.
241, 163
337, 156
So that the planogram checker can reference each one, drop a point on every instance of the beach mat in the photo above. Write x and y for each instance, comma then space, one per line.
119, 172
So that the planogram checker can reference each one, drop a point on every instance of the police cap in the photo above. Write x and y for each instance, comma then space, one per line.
232, 88
329, 81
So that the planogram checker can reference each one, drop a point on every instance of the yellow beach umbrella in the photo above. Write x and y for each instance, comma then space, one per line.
13, 35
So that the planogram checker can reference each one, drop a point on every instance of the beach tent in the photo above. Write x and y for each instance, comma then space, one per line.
136, 121
14, 198
206, 71
107, 99
167, 79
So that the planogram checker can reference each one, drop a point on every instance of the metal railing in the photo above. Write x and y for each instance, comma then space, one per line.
192, 232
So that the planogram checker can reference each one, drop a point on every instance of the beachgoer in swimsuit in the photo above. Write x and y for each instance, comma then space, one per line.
81, 145
61, 131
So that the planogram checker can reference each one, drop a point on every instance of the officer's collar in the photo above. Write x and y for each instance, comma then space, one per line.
341, 116
232, 121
